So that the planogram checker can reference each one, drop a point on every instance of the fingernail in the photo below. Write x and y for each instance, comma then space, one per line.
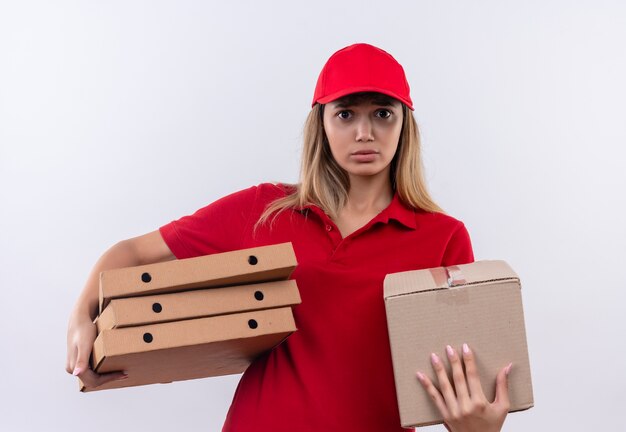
508, 369
420, 376
449, 350
466, 349
76, 371
434, 358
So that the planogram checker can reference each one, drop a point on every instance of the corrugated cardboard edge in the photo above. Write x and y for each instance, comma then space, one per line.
99, 355
118, 312
408, 282
83, 389
181, 336
187, 266
106, 320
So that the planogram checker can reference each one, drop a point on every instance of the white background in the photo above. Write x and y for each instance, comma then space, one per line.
117, 117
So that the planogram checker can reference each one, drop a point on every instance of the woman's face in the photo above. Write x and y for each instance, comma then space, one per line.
363, 133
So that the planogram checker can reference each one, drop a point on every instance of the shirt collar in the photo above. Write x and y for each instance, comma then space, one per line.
396, 210
400, 212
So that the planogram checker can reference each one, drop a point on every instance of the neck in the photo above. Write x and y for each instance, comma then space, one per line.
369, 194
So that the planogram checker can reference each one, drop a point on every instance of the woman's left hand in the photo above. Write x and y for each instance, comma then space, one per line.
464, 407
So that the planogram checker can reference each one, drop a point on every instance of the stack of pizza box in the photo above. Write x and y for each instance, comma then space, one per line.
194, 318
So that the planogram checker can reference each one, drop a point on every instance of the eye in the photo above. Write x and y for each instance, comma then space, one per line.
383, 113
343, 115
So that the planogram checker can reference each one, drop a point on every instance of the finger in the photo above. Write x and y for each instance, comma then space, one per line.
87, 375
434, 394
444, 383
92, 379
473, 380
502, 387
458, 376
89, 378
70, 361
82, 361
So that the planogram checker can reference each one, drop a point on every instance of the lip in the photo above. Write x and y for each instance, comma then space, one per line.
365, 152
364, 156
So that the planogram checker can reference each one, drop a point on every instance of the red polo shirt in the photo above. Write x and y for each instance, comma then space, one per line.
334, 373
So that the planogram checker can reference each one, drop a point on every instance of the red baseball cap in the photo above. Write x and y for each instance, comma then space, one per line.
361, 68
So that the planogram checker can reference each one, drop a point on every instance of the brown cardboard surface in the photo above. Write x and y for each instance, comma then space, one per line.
259, 264
152, 309
479, 304
189, 349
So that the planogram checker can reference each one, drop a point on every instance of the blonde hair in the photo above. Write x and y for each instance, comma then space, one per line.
325, 184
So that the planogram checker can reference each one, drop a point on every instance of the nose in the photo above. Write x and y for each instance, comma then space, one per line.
364, 131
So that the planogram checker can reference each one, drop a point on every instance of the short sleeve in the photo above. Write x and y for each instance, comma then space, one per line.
218, 227
459, 248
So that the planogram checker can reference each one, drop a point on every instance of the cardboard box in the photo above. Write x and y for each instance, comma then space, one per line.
189, 349
479, 304
152, 309
260, 264
194, 318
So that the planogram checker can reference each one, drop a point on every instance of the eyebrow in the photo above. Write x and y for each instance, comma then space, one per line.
380, 102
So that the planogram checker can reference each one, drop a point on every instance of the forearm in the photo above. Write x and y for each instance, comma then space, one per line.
122, 254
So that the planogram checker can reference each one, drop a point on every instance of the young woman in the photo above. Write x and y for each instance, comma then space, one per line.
360, 211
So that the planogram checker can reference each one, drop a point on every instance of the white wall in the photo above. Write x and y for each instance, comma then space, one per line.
117, 117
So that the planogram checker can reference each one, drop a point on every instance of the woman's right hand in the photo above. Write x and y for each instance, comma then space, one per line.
81, 331
81, 334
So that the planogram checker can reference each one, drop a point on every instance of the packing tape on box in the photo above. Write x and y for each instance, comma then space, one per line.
450, 276
455, 276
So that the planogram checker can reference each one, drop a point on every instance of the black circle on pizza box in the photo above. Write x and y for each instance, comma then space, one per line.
157, 308
252, 260
258, 295
252, 324
145, 277
147, 337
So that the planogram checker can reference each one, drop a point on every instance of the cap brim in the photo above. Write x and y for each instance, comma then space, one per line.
345, 92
